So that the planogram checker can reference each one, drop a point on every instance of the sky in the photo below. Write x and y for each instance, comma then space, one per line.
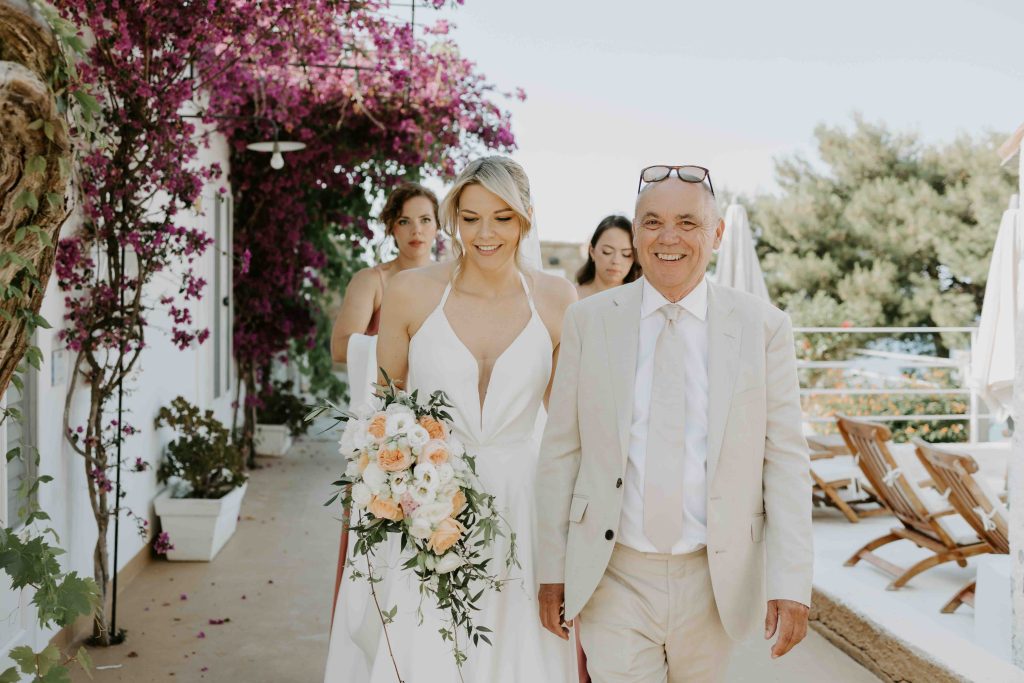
615, 86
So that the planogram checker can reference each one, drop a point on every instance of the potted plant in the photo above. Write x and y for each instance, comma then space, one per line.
279, 419
205, 481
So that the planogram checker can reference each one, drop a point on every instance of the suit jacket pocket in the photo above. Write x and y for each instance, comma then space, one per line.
577, 508
757, 528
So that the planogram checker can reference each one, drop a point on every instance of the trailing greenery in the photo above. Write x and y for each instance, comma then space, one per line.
282, 407
203, 457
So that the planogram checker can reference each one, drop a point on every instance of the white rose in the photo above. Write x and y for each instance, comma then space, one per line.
360, 437
449, 562
352, 469
363, 411
430, 562
399, 482
445, 473
448, 490
345, 445
399, 409
455, 446
423, 492
426, 472
398, 423
421, 528
374, 477
417, 436
361, 495
435, 512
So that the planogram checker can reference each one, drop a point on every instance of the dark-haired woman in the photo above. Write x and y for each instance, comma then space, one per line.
410, 218
610, 260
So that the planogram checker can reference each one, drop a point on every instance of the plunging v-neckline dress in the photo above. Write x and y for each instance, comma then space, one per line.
501, 432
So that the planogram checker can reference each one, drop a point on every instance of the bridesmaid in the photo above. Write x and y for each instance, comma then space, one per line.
610, 261
410, 218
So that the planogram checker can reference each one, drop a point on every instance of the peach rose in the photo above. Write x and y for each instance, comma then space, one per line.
458, 502
364, 460
435, 452
447, 534
378, 426
386, 508
394, 459
434, 428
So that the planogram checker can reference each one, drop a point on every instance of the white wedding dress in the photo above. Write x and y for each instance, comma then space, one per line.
502, 434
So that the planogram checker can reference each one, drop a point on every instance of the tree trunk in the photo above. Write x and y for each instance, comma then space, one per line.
28, 52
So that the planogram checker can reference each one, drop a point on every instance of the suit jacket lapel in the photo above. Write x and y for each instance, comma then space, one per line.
724, 331
622, 334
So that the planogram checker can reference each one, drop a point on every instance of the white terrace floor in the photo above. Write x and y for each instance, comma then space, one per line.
273, 581
912, 614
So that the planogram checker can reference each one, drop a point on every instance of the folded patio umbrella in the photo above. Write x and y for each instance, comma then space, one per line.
737, 265
992, 360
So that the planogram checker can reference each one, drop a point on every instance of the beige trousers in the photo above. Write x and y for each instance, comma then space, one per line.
653, 619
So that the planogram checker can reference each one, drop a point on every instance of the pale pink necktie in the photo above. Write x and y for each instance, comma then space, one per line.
666, 445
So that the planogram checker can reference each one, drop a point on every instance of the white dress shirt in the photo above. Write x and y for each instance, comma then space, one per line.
695, 333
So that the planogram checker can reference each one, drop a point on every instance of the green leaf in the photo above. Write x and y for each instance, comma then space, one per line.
84, 660
36, 125
19, 235
48, 130
88, 103
64, 166
24, 658
75, 43
14, 453
26, 198
36, 164
54, 199
10, 676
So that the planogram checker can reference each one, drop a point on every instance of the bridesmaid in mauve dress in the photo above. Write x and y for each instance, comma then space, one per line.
610, 263
410, 218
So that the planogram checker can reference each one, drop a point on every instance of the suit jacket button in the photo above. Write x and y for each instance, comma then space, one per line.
618, 483
609, 534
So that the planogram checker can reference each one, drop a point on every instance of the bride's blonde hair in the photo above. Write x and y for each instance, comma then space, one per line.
501, 177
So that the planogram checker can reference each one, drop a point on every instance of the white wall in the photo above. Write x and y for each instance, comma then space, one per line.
163, 372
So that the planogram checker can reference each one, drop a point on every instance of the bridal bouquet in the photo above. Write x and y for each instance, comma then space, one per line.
407, 474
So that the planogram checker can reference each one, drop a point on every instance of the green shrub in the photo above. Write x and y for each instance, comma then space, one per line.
203, 456
282, 407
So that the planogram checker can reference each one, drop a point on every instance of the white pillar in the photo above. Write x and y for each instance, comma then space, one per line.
1016, 497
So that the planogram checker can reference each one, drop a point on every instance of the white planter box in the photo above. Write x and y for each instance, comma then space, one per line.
272, 440
198, 527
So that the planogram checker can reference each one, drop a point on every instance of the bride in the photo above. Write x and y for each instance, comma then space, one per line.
484, 329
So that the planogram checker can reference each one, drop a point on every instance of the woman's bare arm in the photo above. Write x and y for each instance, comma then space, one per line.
356, 312
399, 306
557, 294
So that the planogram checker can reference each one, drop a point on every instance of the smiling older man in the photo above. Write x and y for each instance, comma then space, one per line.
673, 489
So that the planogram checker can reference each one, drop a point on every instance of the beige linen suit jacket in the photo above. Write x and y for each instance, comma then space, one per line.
759, 540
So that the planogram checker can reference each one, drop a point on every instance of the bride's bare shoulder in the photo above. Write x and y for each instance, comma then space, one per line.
420, 285
554, 290
553, 294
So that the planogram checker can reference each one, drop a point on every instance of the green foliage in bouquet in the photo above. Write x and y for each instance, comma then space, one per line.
454, 575
203, 457
282, 407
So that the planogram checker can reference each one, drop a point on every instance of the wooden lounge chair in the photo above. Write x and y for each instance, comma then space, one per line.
834, 471
922, 512
972, 498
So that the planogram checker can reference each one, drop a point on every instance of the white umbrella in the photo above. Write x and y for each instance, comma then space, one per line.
737, 261
992, 360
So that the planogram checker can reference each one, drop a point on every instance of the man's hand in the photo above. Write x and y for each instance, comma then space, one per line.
789, 619
551, 597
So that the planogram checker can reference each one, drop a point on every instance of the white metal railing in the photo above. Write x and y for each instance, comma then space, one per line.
972, 416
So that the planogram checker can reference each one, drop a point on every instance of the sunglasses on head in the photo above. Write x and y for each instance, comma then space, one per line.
688, 174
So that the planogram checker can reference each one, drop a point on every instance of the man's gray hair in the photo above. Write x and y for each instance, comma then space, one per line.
711, 213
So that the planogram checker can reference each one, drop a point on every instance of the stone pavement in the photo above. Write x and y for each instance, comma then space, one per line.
259, 612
